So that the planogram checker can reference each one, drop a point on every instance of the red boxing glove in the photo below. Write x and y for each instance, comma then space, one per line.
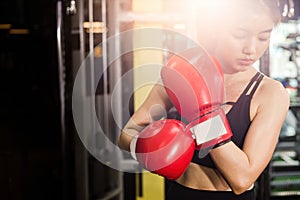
194, 83
164, 148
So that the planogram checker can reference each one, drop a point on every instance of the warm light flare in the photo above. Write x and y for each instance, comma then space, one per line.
97, 27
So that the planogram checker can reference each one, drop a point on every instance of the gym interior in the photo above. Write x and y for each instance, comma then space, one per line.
73, 72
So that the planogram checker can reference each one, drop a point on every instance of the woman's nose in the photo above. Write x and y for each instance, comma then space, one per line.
249, 47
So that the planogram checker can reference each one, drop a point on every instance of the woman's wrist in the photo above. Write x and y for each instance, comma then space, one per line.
222, 143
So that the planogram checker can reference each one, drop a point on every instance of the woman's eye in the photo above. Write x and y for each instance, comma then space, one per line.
239, 34
264, 37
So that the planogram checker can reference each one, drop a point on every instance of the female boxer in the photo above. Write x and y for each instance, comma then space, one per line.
256, 106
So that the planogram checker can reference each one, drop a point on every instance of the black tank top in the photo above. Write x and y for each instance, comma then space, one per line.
239, 119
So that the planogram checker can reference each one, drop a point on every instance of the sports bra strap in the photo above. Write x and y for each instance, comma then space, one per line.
258, 80
255, 79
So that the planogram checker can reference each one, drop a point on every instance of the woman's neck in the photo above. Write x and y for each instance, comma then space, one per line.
239, 76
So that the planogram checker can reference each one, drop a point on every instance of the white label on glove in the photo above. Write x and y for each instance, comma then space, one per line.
133, 146
208, 130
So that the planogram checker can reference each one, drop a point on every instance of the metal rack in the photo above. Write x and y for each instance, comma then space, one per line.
281, 179
94, 180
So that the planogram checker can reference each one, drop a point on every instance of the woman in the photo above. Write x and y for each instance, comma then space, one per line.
256, 106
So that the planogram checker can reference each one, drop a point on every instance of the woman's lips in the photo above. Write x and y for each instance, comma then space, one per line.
245, 62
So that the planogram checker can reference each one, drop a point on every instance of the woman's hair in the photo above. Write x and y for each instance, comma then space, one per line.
220, 10
214, 14
274, 9
236, 7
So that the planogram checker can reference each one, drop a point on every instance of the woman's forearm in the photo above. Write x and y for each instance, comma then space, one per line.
235, 167
125, 138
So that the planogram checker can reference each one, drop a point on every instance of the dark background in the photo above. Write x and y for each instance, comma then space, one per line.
30, 139
33, 162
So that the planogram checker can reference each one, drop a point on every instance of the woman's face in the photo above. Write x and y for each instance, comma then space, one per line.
242, 41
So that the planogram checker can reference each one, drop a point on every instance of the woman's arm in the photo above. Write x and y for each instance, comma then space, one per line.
241, 168
153, 108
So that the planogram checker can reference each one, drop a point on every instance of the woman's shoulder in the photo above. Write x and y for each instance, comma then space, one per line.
272, 85
273, 91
